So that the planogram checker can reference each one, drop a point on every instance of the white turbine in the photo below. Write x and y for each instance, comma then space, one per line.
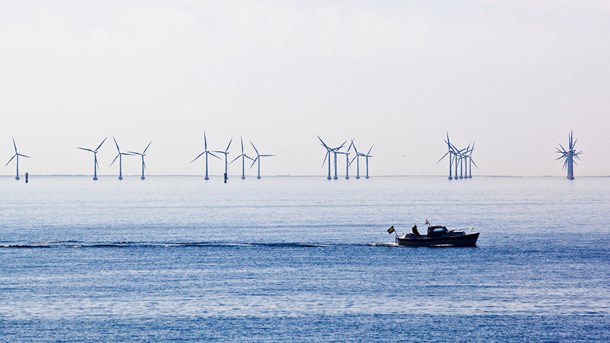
335, 151
95, 164
357, 159
16, 157
450, 152
205, 152
326, 157
366, 158
141, 154
226, 153
568, 156
258, 159
243, 157
120, 157
346, 153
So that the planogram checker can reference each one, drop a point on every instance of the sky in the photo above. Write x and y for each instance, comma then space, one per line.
513, 77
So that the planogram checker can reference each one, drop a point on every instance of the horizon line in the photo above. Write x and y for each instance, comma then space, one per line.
287, 175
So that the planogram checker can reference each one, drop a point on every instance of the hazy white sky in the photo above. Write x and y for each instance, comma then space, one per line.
514, 76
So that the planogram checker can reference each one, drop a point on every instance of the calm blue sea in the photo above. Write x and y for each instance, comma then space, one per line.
302, 259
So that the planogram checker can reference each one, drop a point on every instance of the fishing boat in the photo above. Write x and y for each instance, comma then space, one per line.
438, 236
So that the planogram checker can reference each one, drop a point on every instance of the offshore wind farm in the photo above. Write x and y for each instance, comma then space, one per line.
290, 138
460, 160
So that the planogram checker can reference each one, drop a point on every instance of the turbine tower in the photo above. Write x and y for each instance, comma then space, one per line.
16, 157
95, 164
451, 153
470, 162
120, 157
346, 153
366, 158
462, 154
258, 159
206, 152
243, 157
568, 156
357, 158
226, 153
335, 151
326, 157
141, 154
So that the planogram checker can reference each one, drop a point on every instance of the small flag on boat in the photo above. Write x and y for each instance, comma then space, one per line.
391, 229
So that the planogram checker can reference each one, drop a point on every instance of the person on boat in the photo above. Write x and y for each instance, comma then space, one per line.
414, 230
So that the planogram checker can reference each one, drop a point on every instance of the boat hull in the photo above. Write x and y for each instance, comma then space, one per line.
465, 240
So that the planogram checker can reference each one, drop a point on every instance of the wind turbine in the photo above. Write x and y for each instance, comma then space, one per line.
335, 151
119, 155
16, 157
226, 153
327, 156
142, 154
568, 156
449, 152
471, 162
357, 158
366, 158
206, 152
346, 153
258, 159
243, 159
462, 154
95, 164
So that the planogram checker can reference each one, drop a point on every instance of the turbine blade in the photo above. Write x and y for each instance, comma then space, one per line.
324, 144
214, 155
235, 159
254, 161
15, 145
84, 149
197, 157
26, 156
229, 145
143, 152
117, 156
254, 148
242, 144
473, 162
205, 141
266, 155
117, 145
368, 153
99, 146
9, 161
437, 162
325, 157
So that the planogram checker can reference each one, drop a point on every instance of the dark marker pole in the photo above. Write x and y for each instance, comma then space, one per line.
27, 176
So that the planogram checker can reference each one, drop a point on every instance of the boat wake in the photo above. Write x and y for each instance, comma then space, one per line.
79, 244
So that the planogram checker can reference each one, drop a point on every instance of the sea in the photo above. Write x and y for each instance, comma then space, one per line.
305, 259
